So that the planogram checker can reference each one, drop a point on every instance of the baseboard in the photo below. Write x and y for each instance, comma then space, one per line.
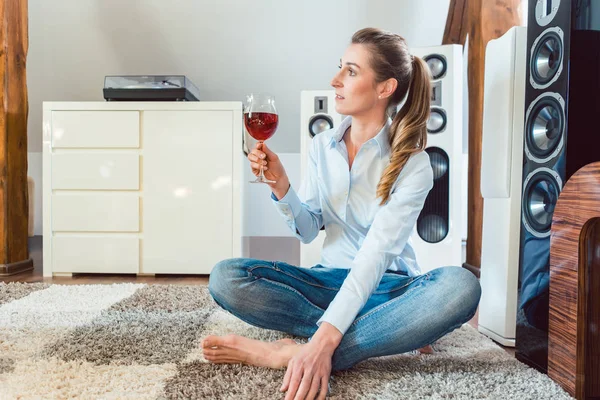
16, 268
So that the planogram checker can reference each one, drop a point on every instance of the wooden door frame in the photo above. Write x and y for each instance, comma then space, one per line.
482, 20
14, 108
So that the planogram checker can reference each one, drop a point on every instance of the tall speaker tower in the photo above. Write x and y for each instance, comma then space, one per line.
562, 104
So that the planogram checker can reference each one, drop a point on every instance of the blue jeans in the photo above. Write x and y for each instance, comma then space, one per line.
403, 314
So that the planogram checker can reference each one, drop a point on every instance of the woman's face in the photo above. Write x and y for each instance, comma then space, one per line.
355, 87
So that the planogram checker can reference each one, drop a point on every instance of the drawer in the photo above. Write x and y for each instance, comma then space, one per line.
101, 212
98, 129
95, 254
112, 171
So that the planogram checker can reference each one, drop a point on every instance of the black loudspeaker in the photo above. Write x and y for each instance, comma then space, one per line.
562, 102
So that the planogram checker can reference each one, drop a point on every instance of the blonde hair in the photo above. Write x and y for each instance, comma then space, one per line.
390, 58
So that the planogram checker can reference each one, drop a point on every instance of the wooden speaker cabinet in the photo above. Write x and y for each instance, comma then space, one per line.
574, 321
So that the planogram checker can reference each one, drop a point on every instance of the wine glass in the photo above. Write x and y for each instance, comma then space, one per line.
261, 120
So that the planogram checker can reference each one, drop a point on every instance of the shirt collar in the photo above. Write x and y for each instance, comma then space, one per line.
381, 139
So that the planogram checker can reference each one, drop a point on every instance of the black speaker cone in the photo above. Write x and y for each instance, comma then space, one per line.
439, 164
437, 120
540, 195
319, 123
545, 127
437, 65
432, 228
547, 58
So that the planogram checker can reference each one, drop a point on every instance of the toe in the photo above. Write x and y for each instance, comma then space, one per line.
230, 340
211, 341
426, 350
227, 361
214, 353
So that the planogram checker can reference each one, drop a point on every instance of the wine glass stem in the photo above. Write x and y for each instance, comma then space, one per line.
262, 174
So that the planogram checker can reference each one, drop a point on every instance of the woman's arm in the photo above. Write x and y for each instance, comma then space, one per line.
304, 216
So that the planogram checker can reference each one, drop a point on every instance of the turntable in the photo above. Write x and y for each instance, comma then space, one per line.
150, 88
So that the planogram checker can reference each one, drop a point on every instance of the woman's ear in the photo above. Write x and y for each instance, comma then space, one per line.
387, 88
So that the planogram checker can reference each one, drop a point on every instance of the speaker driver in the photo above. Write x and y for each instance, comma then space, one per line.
432, 228
437, 65
437, 120
319, 123
546, 58
540, 195
545, 11
439, 164
545, 127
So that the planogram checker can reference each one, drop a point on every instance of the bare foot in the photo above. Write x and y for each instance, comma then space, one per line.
426, 350
235, 349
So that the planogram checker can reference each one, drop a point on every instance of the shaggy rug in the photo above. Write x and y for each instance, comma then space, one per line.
142, 341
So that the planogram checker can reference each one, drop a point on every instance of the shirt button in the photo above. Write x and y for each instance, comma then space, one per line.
345, 193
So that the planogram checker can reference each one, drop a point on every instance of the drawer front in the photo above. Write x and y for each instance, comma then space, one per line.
110, 171
96, 254
110, 212
97, 129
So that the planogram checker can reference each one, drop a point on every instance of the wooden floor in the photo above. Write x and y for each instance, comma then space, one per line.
35, 252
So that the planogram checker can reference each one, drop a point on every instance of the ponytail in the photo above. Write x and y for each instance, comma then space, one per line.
408, 133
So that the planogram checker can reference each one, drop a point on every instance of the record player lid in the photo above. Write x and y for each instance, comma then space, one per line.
158, 82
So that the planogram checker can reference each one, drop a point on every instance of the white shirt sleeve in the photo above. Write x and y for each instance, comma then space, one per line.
303, 217
386, 239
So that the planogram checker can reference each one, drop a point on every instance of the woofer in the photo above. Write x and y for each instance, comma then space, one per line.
546, 58
540, 194
437, 120
437, 65
318, 124
544, 127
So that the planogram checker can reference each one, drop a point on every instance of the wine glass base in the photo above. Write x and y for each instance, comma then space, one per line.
258, 180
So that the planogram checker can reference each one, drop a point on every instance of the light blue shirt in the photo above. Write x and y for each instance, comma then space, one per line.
361, 235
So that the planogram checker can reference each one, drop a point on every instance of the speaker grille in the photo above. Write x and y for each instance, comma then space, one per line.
540, 194
437, 120
433, 222
546, 58
319, 123
544, 129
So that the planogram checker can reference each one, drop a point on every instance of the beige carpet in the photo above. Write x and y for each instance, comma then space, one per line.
138, 341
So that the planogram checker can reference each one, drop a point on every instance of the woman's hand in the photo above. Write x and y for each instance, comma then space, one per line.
272, 167
308, 371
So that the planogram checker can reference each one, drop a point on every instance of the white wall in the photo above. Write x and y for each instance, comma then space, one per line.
228, 48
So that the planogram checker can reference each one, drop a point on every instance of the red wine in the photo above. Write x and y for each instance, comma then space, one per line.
261, 125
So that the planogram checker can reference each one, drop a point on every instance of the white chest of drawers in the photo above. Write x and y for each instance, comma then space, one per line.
141, 187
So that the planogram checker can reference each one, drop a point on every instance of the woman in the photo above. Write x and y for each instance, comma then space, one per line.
366, 184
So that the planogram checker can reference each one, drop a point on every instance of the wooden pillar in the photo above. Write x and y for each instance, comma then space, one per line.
14, 213
482, 20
